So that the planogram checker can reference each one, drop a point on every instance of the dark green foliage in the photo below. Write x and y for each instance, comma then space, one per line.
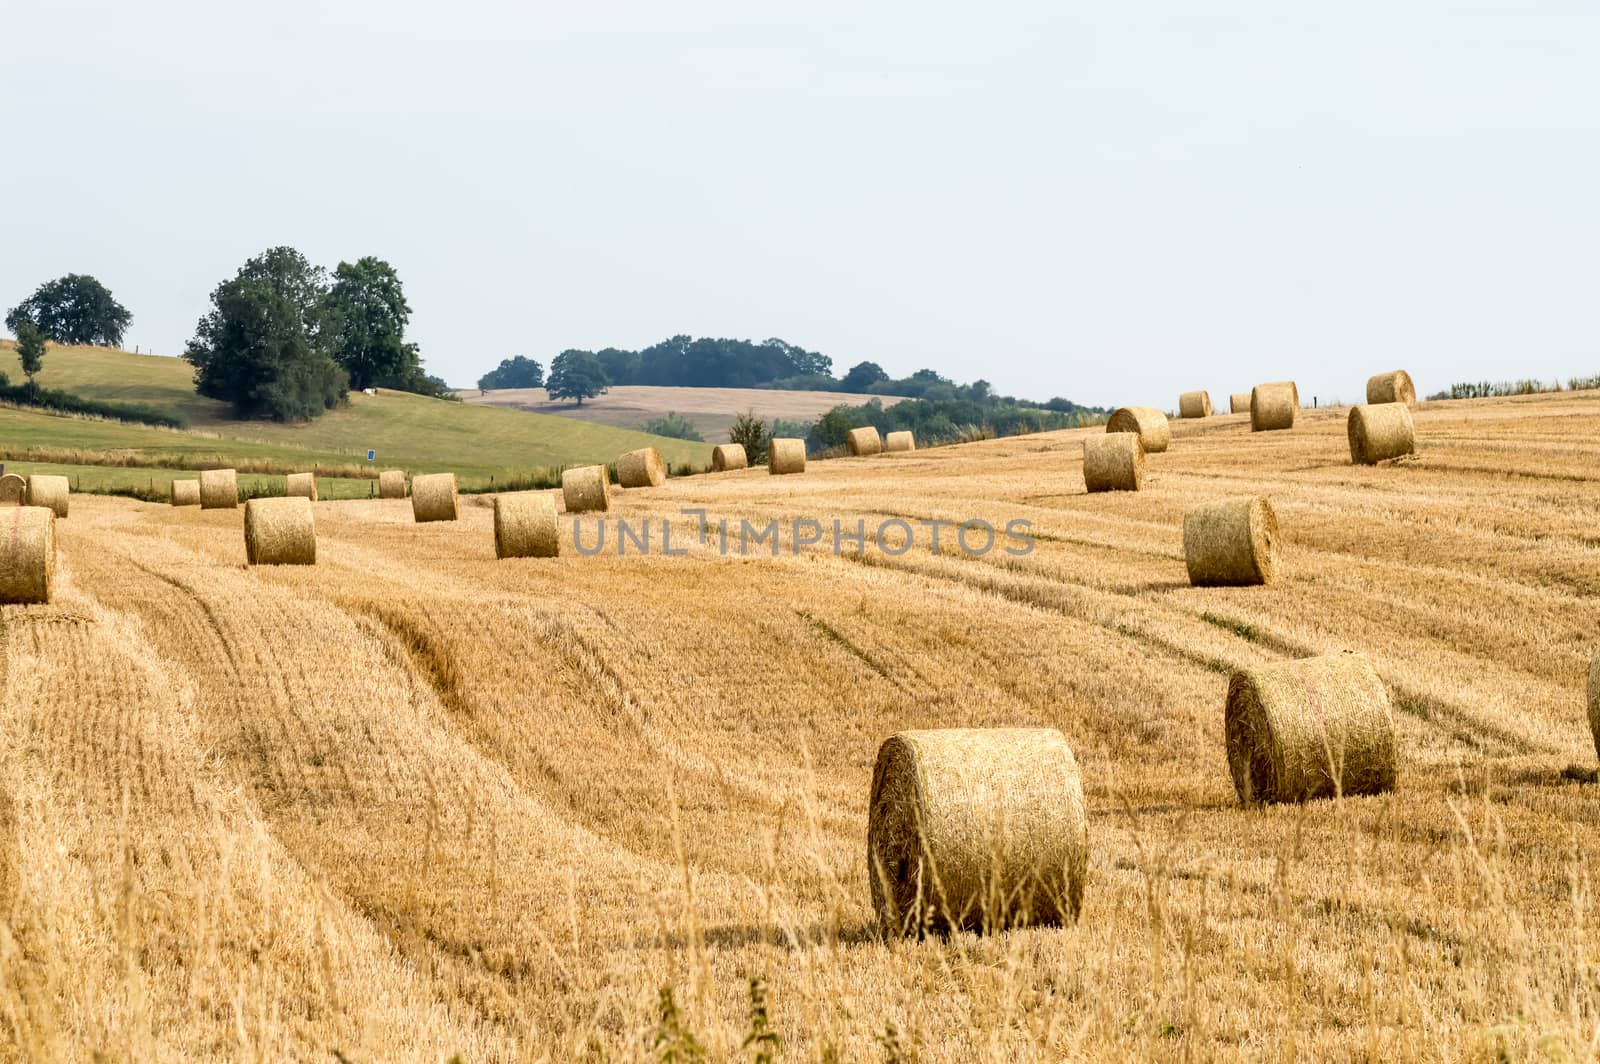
75, 309
862, 376
576, 375
940, 421
673, 1041
518, 371
67, 403
367, 314
708, 363
761, 1037
30, 349
750, 432
674, 425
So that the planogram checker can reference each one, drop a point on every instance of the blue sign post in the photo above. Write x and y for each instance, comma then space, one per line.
372, 456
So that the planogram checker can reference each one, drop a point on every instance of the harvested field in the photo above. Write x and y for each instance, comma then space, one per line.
412, 802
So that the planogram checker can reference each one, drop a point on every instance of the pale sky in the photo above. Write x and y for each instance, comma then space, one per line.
1110, 202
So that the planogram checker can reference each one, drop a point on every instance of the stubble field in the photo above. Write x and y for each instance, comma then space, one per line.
414, 802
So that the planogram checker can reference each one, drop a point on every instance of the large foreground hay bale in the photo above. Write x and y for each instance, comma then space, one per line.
583, 488
1113, 462
185, 493
641, 469
1310, 728
280, 531
1380, 432
1272, 406
896, 442
864, 441
219, 489
27, 554
13, 490
392, 484
525, 525
1194, 404
1231, 543
980, 828
301, 485
433, 497
726, 456
1594, 700
1239, 403
786, 456
49, 491
1151, 425
1392, 387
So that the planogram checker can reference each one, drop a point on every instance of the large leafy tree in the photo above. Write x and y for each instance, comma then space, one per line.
367, 315
862, 376
576, 375
264, 346
518, 371
75, 309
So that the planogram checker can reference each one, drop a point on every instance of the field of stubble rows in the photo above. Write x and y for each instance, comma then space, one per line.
413, 802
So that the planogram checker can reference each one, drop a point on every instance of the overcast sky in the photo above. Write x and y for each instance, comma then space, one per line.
1110, 202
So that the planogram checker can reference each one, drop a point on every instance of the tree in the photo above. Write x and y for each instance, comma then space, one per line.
263, 347
367, 315
30, 349
862, 376
75, 309
518, 371
750, 432
576, 375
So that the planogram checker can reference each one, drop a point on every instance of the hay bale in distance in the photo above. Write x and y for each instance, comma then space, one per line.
219, 489
1231, 543
896, 442
980, 828
280, 531
583, 488
50, 491
1113, 462
433, 497
301, 485
1310, 728
786, 456
185, 493
525, 525
1272, 406
13, 490
726, 456
1381, 431
1194, 404
1392, 387
392, 484
1594, 700
641, 469
1151, 425
864, 441
1239, 403
27, 554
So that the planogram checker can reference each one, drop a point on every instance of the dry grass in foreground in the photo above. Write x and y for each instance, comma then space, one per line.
413, 802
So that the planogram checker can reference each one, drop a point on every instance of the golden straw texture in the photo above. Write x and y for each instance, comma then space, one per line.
13, 490
185, 493
786, 456
583, 488
302, 485
1113, 462
433, 497
1380, 432
51, 492
1151, 425
1239, 403
280, 531
641, 469
1392, 387
1194, 404
27, 554
525, 525
864, 441
219, 489
1272, 406
726, 456
896, 442
392, 484
980, 828
1231, 543
1310, 728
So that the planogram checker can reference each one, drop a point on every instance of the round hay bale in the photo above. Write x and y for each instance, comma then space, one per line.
1272, 406
1231, 543
726, 456
1113, 462
185, 493
280, 531
786, 456
1380, 432
392, 484
980, 828
219, 489
1310, 728
433, 497
903, 440
27, 554
301, 485
1594, 701
49, 491
13, 490
641, 469
1151, 425
583, 488
1194, 404
525, 525
1239, 403
1392, 387
864, 441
